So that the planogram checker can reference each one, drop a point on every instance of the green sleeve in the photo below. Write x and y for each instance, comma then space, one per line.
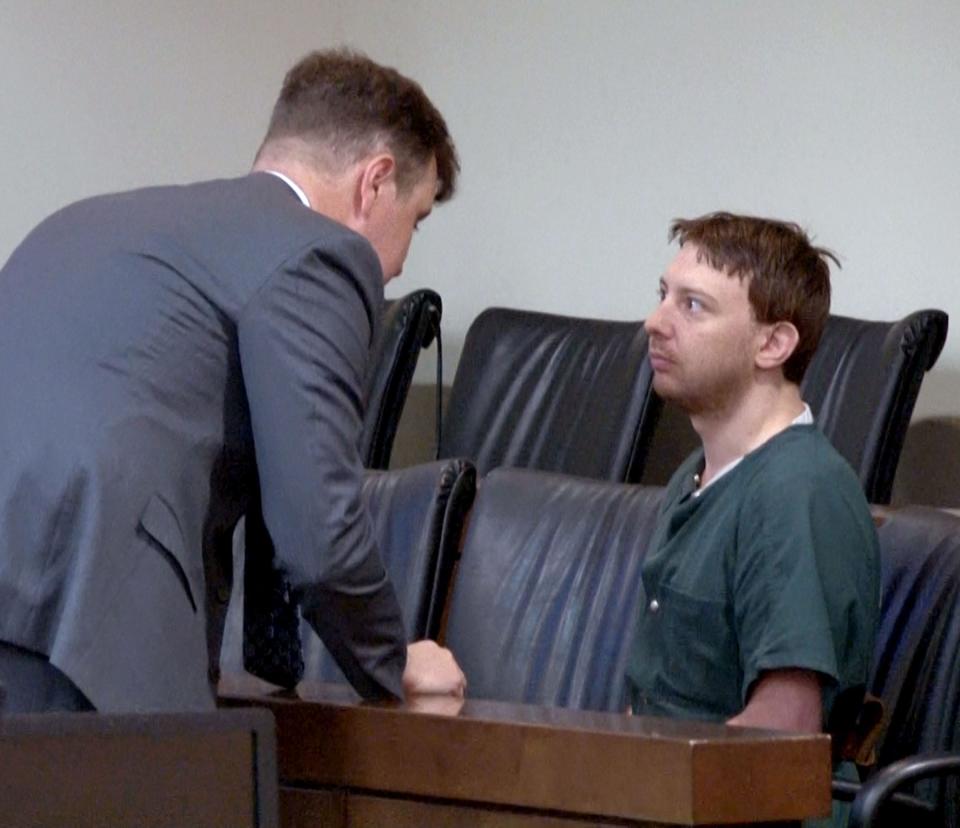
794, 576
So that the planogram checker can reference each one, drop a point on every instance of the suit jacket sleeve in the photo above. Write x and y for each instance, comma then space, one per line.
304, 343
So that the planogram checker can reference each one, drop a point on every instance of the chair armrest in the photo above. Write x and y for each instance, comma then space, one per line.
882, 787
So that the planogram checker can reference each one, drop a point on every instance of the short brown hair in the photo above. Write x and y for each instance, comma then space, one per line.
789, 277
343, 101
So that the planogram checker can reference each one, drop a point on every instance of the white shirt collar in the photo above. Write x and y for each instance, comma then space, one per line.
293, 186
805, 417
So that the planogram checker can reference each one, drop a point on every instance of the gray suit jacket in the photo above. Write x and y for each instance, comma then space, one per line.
159, 350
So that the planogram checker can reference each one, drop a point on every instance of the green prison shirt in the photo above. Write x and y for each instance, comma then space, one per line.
776, 565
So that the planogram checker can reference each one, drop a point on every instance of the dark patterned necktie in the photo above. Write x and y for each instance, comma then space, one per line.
271, 617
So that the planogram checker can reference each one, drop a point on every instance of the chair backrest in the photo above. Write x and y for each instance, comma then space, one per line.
917, 659
862, 384
409, 324
555, 393
916, 670
547, 590
418, 515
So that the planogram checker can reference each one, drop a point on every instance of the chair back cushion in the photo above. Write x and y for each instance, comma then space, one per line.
862, 384
418, 515
916, 670
554, 393
409, 324
547, 590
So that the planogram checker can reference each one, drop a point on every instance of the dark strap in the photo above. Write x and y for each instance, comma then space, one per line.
856, 725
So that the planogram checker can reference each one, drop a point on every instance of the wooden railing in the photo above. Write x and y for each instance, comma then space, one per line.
440, 762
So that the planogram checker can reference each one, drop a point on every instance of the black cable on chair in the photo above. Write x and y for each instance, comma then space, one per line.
434, 331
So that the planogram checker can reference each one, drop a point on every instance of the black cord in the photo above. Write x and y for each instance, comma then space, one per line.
439, 418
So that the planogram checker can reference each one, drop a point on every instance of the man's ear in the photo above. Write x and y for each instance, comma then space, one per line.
377, 173
780, 341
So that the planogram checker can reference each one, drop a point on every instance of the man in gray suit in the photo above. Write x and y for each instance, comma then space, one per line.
170, 356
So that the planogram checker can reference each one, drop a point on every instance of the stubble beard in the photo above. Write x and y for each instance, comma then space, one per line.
712, 398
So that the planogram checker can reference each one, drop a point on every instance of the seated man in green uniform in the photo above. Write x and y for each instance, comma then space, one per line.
762, 582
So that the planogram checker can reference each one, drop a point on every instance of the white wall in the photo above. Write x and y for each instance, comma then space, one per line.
583, 127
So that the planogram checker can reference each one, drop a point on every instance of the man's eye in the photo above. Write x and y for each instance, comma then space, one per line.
661, 293
694, 304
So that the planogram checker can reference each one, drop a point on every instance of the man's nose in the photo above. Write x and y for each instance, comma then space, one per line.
656, 323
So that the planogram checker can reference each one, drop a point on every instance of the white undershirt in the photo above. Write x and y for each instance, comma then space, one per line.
293, 186
805, 417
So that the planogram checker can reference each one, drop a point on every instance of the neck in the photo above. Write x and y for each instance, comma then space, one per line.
746, 423
329, 195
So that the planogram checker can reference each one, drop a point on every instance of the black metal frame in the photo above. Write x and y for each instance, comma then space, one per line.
882, 789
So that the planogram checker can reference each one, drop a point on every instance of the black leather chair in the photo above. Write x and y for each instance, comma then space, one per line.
862, 385
554, 393
418, 515
546, 593
917, 674
409, 324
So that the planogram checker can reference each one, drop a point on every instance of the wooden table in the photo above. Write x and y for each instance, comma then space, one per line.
437, 763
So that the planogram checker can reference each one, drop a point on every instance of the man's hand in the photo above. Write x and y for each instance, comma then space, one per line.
432, 669
436, 705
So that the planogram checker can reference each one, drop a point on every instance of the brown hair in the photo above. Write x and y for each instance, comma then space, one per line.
347, 105
789, 277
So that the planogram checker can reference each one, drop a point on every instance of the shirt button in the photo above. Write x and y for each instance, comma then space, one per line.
654, 606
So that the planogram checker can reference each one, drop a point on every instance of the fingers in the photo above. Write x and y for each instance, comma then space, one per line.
436, 705
432, 669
